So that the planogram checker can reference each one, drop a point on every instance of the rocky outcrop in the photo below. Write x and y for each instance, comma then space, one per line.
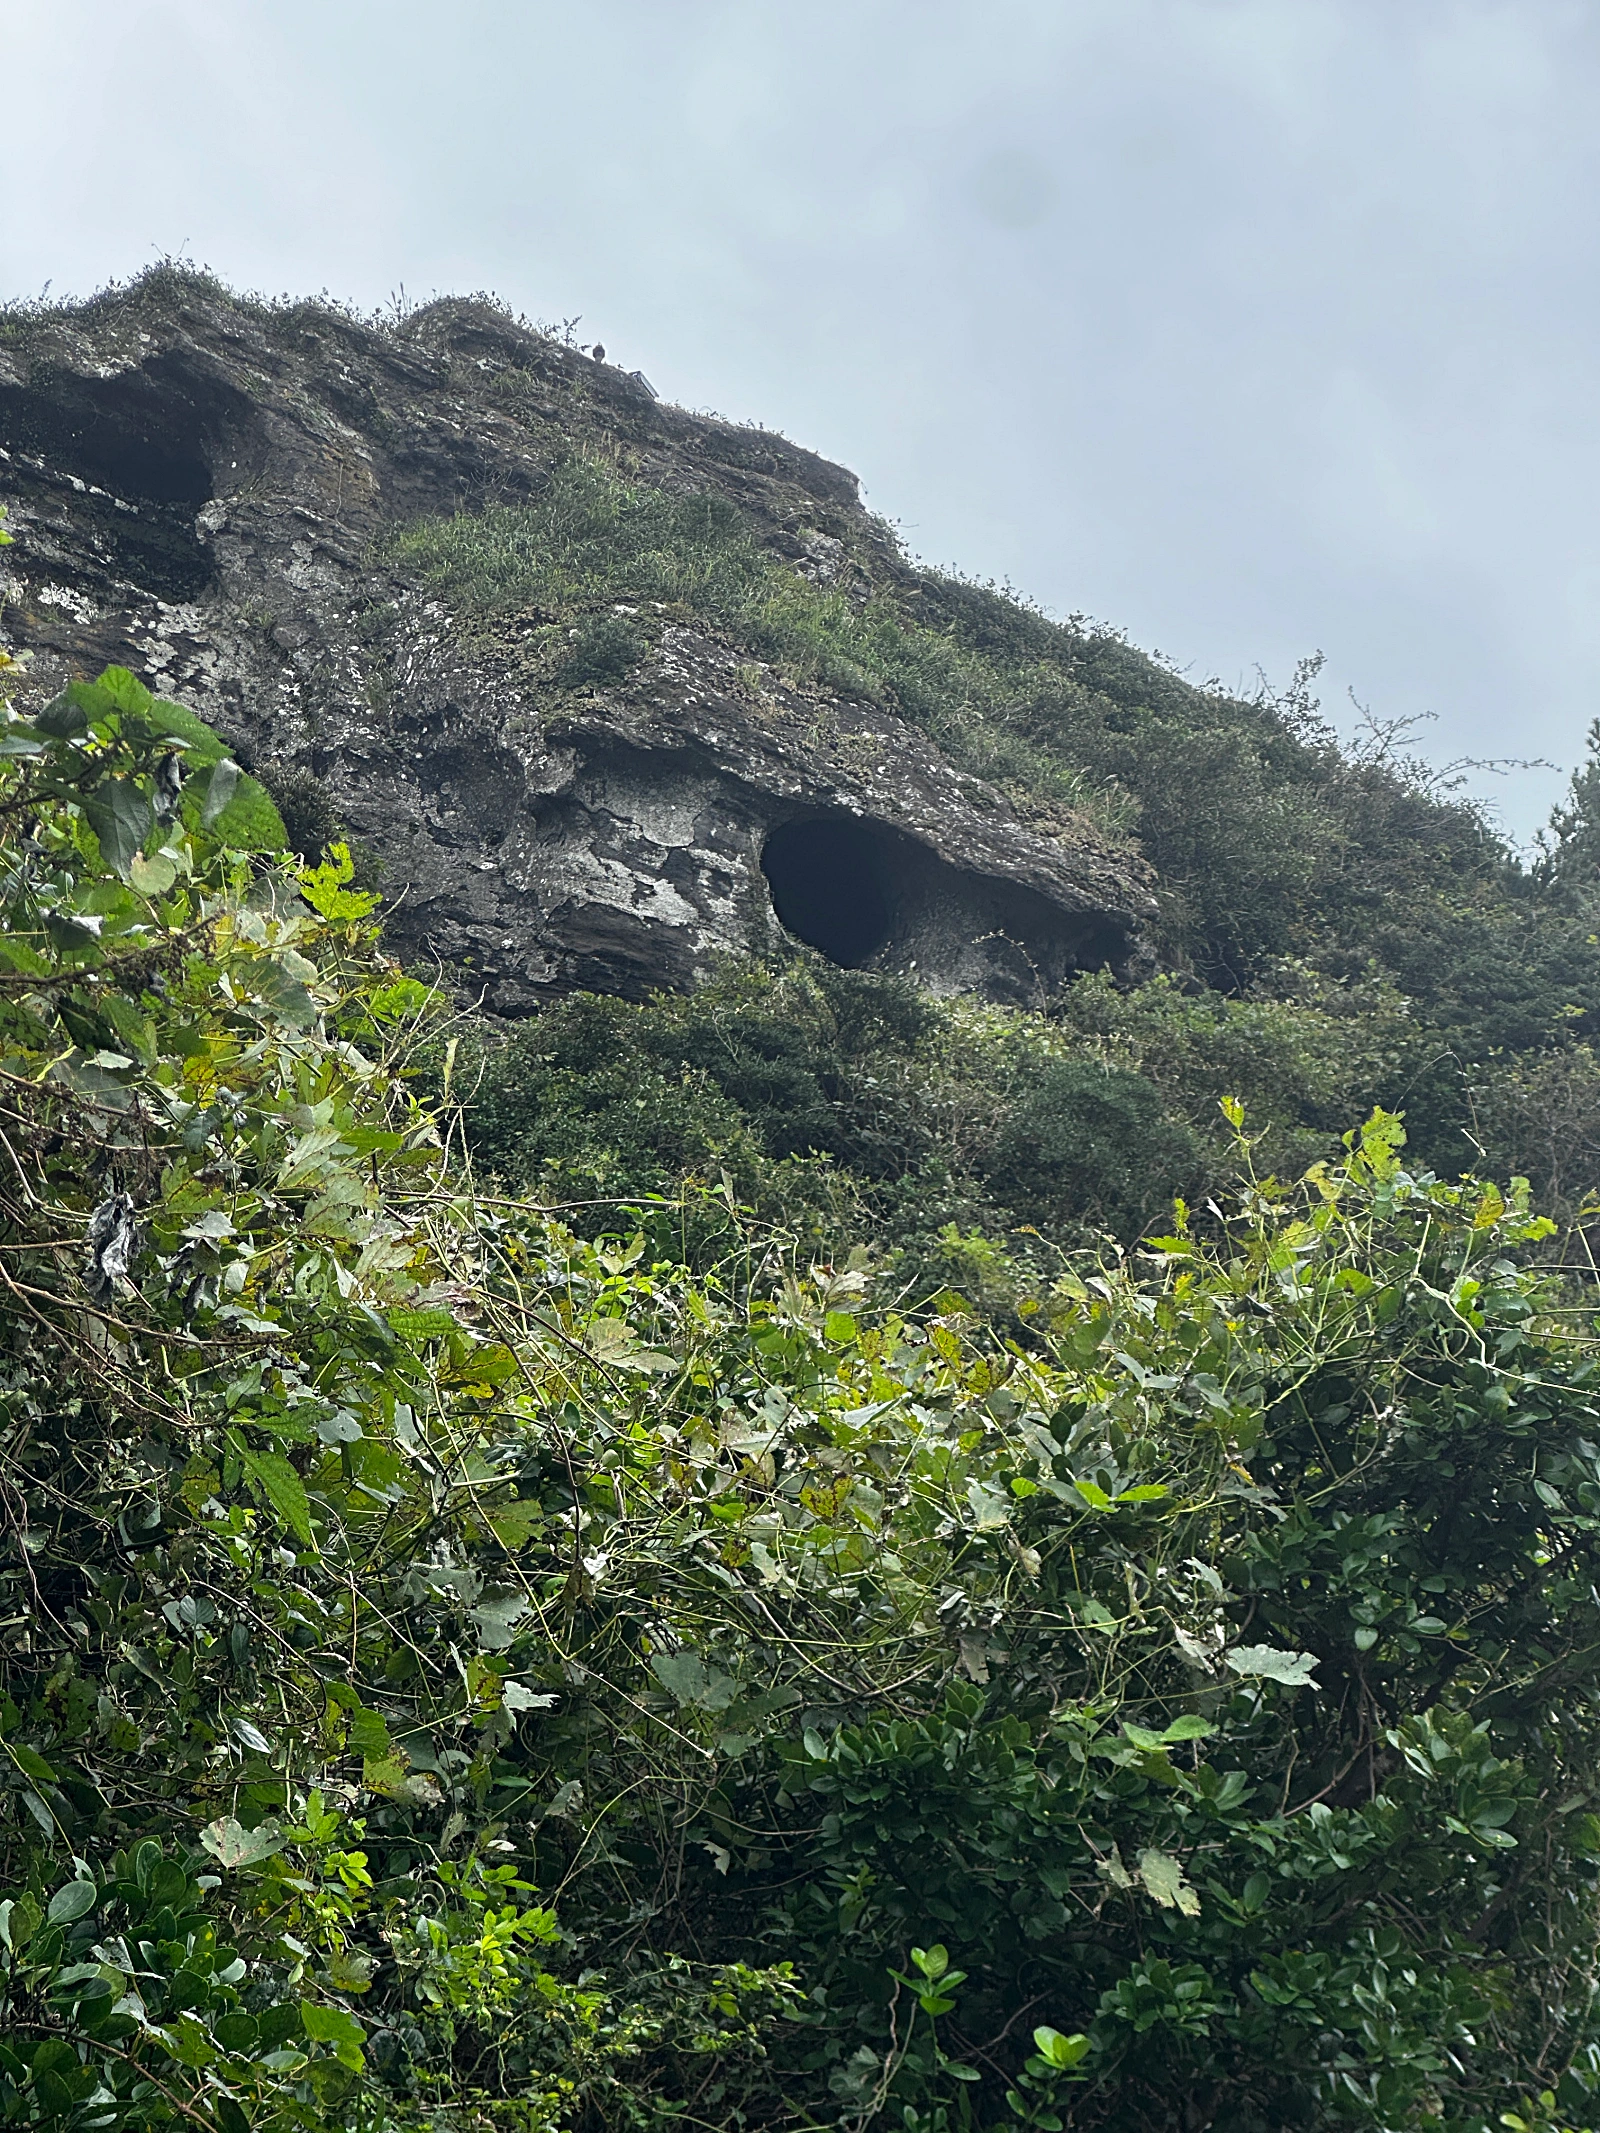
201, 490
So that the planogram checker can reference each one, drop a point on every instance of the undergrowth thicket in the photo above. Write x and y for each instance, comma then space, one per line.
735, 1561
453, 1674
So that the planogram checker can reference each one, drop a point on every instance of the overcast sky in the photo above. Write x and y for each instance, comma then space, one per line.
1250, 326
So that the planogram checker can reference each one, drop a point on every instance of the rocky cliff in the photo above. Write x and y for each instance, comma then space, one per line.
209, 491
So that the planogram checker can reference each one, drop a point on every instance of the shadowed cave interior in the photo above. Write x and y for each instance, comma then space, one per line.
832, 883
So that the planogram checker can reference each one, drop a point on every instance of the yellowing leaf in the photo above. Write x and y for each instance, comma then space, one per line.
1162, 1876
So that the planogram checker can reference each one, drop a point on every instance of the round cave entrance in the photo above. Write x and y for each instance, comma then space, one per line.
829, 881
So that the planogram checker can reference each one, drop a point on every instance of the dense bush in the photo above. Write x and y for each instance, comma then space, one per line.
851, 1108
454, 1674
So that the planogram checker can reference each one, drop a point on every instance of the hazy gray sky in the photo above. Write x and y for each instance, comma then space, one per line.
1251, 326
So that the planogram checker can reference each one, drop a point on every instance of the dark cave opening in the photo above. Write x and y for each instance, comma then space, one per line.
830, 882
145, 435
144, 441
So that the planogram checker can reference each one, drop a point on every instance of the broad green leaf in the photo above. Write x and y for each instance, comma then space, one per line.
69, 713
277, 1480
233, 1846
1058, 2050
188, 2041
516, 1696
331, 2025
201, 746
74, 1899
682, 1674
30, 1762
497, 1620
122, 818
512, 1522
990, 1508
324, 888
125, 690
219, 789
250, 821
152, 874
282, 993
689, 1681
22, 957
421, 1325
1191, 1726
369, 1735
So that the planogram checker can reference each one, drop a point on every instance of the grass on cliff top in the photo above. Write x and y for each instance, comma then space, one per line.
1269, 841
594, 537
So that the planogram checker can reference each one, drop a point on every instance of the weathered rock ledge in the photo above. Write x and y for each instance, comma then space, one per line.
198, 488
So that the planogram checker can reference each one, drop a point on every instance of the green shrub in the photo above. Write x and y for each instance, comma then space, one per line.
457, 1674
1083, 1142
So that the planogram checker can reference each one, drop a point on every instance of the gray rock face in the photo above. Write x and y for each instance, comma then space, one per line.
198, 490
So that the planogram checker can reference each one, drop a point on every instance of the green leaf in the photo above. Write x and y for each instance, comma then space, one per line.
331, 2025
497, 1620
234, 1846
125, 690
682, 1674
323, 888
421, 1325
73, 1900
153, 875
1163, 1877
278, 1482
283, 994
68, 714
1191, 1726
201, 746
219, 789
21, 957
1057, 2050
122, 818
369, 1735
249, 821
187, 2041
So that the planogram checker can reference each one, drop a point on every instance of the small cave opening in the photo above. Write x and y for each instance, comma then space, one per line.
143, 441
831, 883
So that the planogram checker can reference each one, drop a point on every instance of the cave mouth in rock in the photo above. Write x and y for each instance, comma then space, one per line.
830, 882
125, 434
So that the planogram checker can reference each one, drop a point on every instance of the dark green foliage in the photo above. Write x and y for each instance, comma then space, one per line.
605, 651
1085, 1140
853, 1108
848, 1107
310, 814
1290, 870
451, 1674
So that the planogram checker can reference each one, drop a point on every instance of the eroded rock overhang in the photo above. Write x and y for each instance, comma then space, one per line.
197, 495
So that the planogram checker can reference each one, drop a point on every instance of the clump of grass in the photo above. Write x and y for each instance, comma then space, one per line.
593, 538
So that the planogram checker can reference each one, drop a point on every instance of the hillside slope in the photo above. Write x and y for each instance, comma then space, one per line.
611, 697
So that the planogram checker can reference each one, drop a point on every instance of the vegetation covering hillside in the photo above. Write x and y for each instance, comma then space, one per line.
1338, 927
457, 1674
736, 1561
